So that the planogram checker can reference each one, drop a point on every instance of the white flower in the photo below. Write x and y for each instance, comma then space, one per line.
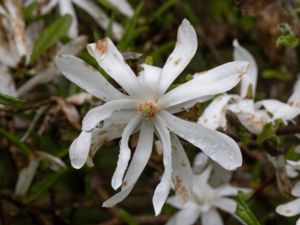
90, 7
292, 168
204, 202
148, 107
291, 208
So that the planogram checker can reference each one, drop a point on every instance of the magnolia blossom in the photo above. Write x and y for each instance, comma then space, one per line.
147, 108
291, 208
90, 7
204, 202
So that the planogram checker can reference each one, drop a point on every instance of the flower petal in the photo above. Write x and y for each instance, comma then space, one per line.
184, 51
228, 190
294, 100
250, 78
74, 47
296, 189
182, 174
218, 146
214, 81
100, 113
137, 164
86, 77
226, 204
163, 188
125, 152
187, 105
111, 60
66, 7
212, 217
47, 6
200, 162
123, 6
7, 83
289, 209
79, 149
187, 216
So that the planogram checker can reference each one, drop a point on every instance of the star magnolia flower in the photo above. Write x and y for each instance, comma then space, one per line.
90, 7
204, 202
148, 107
291, 208
248, 112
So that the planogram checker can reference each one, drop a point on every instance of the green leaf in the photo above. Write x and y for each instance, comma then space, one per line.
43, 185
244, 212
163, 8
10, 101
289, 40
50, 35
268, 131
126, 216
274, 74
16, 141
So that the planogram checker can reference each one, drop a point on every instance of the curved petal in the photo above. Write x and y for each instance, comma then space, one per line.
184, 51
125, 152
111, 60
214, 81
123, 6
228, 190
100, 113
289, 209
296, 190
294, 100
79, 149
250, 78
213, 116
66, 7
218, 146
212, 217
187, 216
182, 174
137, 164
163, 188
226, 204
86, 77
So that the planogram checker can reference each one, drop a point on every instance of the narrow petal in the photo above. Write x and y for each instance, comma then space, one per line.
218, 146
74, 47
298, 222
79, 149
125, 152
7, 83
189, 104
163, 188
200, 162
48, 6
296, 190
100, 113
111, 60
200, 182
214, 81
137, 164
123, 6
228, 190
226, 204
66, 7
182, 172
86, 77
187, 216
294, 100
289, 209
184, 51
250, 78
212, 217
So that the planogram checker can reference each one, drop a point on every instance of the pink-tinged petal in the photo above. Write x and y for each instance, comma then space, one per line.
218, 146
212, 217
79, 149
99, 16
250, 78
184, 51
182, 175
294, 100
187, 216
296, 190
86, 77
214, 81
66, 8
226, 204
123, 6
137, 164
111, 60
163, 188
289, 209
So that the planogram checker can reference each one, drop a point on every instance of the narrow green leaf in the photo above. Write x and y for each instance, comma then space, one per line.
50, 35
163, 8
127, 217
244, 212
10, 101
16, 141
268, 131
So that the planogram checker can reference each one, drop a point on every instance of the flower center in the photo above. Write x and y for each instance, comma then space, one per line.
148, 109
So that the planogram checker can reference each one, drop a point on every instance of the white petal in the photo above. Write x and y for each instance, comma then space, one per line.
55, 162
125, 152
79, 149
74, 47
228, 190
289, 209
213, 116
200, 183
184, 51
212, 217
200, 162
163, 188
100, 113
182, 172
137, 164
226, 204
298, 222
86, 77
294, 100
7, 83
47, 6
66, 7
123, 6
214, 81
99, 16
187, 216
296, 190
218, 146
250, 78
111, 60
